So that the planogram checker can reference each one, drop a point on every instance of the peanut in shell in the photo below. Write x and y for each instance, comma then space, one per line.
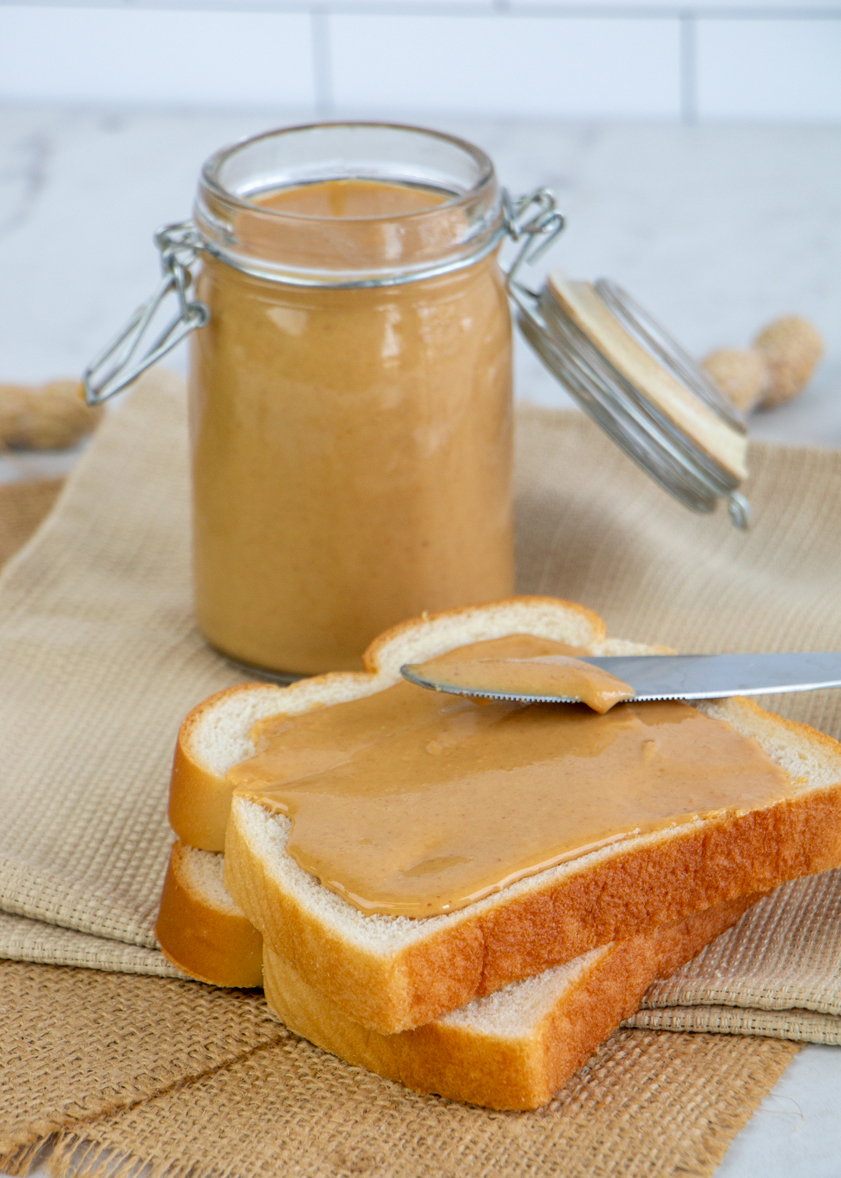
792, 348
52, 416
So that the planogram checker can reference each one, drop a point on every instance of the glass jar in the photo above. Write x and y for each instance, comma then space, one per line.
350, 396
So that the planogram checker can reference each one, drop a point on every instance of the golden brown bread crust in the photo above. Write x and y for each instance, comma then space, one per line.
522, 1071
211, 944
199, 801
593, 904
658, 885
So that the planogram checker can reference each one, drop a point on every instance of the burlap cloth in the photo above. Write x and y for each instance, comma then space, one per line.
99, 660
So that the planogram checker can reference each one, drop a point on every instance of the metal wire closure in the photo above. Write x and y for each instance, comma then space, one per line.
116, 366
623, 411
535, 220
532, 217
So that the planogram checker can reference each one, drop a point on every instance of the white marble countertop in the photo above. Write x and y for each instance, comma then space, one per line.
715, 229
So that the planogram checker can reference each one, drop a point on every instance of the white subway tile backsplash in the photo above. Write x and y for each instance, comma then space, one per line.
181, 57
769, 69
597, 59
605, 8
505, 65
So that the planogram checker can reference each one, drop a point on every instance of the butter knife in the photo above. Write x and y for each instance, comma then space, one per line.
683, 676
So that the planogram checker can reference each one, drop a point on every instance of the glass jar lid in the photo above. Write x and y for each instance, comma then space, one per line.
637, 383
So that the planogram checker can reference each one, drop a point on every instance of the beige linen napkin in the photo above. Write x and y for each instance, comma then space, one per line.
99, 659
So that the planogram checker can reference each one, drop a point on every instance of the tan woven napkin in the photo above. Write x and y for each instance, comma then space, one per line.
23, 506
777, 973
99, 660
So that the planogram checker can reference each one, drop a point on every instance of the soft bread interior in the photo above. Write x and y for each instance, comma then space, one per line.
520, 1007
202, 873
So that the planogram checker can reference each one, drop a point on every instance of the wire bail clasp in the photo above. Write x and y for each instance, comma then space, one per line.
537, 222
116, 366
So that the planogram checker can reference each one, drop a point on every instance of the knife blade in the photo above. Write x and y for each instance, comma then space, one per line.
683, 676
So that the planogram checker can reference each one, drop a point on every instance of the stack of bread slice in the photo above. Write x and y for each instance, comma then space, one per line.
498, 1002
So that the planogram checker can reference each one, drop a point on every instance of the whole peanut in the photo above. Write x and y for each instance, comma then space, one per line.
774, 370
52, 416
792, 348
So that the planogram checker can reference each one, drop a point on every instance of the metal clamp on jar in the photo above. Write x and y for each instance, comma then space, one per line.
350, 387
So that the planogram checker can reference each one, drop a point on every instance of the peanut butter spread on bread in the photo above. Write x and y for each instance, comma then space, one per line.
413, 802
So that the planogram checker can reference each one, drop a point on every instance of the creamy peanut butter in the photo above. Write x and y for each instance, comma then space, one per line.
551, 674
413, 802
351, 448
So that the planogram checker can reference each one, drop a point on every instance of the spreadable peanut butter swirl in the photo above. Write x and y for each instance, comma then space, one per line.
411, 802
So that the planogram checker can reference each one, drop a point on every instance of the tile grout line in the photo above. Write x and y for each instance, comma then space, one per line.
560, 9
322, 63
688, 69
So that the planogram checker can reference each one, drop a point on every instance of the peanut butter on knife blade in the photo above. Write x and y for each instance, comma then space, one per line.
555, 676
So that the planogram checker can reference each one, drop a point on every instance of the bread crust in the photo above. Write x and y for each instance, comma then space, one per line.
214, 944
199, 799
480, 1065
591, 626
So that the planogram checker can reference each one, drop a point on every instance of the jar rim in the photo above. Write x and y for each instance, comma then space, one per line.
214, 164
392, 248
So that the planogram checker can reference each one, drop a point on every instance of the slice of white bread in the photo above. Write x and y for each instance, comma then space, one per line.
514, 1049
511, 1050
200, 929
392, 973
395, 973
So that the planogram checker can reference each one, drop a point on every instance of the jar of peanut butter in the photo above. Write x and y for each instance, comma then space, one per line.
350, 396
350, 384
